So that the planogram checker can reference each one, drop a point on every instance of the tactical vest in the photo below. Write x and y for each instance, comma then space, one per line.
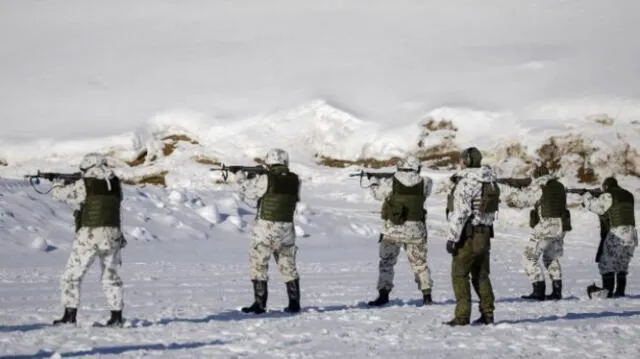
621, 212
279, 202
405, 203
554, 200
101, 207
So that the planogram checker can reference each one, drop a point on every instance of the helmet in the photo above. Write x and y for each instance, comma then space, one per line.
276, 156
540, 171
92, 160
410, 163
471, 157
609, 183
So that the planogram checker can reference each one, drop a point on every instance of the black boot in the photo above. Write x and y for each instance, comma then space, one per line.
538, 292
383, 298
556, 292
69, 317
116, 320
621, 284
426, 297
293, 292
457, 322
260, 294
609, 283
485, 319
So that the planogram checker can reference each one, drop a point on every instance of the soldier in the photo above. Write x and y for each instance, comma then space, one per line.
475, 201
549, 220
617, 206
98, 234
277, 194
404, 226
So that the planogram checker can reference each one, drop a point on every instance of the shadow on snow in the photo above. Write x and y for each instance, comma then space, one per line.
573, 316
119, 350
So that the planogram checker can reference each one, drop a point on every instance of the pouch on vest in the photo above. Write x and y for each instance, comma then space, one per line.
534, 217
490, 198
394, 212
566, 221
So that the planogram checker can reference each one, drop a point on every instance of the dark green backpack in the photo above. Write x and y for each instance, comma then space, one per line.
490, 198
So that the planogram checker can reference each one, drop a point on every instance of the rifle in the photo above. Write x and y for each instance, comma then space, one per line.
518, 183
369, 175
67, 178
251, 171
596, 192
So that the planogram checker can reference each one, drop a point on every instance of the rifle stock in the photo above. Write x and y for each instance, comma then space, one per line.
515, 182
596, 192
251, 171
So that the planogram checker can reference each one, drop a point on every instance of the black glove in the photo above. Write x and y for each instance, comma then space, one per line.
451, 247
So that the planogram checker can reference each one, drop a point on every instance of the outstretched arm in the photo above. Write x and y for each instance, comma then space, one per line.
73, 194
381, 188
598, 205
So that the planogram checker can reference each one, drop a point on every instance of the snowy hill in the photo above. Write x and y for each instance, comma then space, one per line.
169, 89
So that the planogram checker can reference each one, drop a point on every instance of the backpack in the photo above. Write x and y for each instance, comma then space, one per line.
489, 198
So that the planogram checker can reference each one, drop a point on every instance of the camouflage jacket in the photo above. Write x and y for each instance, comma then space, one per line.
252, 190
467, 191
600, 205
529, 197
410, 230
76, 193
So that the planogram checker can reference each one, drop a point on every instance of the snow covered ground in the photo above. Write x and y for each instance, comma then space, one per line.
186, 275
347, 80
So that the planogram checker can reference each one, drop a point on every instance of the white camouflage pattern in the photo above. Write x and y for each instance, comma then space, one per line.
410, 231
621, 241
91, 243
411, 235
466, 196
547, 237
417, 257
268, 237
103, 243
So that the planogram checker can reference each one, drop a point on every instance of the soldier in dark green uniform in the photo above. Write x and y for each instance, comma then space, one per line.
616, 204
98, 235
475, 199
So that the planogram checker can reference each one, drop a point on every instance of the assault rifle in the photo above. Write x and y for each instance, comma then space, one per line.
515, 182
67, 178
251, 171
596, 192
370, 175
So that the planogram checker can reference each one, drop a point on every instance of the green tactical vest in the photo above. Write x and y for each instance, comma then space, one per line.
621, 212
554, 200
279, 202
450, 196
405, 203
101, 207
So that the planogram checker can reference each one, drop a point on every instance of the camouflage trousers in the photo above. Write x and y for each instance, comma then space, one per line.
91, 243
551, 249
417, 256
284, 255
616, 255
472, 258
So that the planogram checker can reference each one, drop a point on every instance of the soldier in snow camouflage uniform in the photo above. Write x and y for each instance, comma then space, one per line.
475, 200
273, 233
617, 205
404, 226
98, 195
549, 199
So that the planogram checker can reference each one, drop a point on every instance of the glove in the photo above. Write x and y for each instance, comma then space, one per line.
451, 247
